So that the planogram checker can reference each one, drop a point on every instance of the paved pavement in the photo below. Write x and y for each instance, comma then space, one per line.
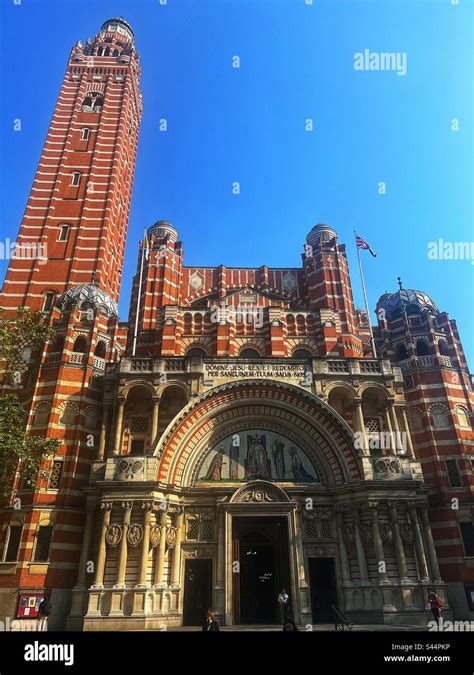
316, 628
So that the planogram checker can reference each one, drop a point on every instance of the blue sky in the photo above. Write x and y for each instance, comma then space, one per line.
248, 125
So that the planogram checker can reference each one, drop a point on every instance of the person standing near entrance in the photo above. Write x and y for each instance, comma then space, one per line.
210, 625
283, 602
44, 611
435, 604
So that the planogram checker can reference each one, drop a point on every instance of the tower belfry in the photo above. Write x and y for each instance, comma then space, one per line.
79, 203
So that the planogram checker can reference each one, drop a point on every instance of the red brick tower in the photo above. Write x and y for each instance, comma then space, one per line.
425, 343
93, 135
77, 212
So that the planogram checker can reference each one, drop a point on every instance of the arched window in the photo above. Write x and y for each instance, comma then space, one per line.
301, 354
58, 345
443, 348
402, 353
80, 345
422, 348
463, 417
93, 102
68, 415
41, 417
440, 417
249, 353
100, 349
195, 352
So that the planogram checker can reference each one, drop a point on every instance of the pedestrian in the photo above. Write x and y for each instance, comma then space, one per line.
289, 626
283, 603
435, 604
44, 610
210, 625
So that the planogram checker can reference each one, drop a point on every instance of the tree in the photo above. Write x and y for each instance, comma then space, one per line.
25, 331
21, 455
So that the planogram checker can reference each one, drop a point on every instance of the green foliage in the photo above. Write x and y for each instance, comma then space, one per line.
26, 330
20, 455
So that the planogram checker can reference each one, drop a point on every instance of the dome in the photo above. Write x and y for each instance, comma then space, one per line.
162, 229
118, 21
406, 299
320, 232
87, 293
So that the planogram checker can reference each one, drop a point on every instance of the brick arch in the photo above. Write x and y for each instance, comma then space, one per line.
326, 436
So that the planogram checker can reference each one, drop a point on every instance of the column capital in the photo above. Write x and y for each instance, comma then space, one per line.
148, 506
106, 506
121, 399
127, 506
373, 504
390, 403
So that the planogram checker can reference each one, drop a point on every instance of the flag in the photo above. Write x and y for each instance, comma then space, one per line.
361, 243
146, 245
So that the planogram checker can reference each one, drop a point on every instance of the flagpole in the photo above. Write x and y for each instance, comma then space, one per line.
134, 347
374, 351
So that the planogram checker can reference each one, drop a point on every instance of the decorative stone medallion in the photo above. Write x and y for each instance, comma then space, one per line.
155, 535
134, 534
113, 534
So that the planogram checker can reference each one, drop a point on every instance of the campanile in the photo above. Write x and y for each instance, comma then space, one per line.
77, 213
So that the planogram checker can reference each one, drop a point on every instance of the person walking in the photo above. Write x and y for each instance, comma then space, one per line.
283, 603
210, 625
435, 603
44, 611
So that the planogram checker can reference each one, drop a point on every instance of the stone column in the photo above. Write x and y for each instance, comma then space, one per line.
154, 419
122, 559
118, 426
395, 426
388, 424
103, 433
430, 545
147, 507
221, 548
86, 544
406, 429
345, 568
160, 557
360, 425
379, 552
399, 548
361, 559
177, 550
100, 565
220, 576
419, 549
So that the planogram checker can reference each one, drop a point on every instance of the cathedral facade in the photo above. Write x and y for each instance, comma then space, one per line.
238, 434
